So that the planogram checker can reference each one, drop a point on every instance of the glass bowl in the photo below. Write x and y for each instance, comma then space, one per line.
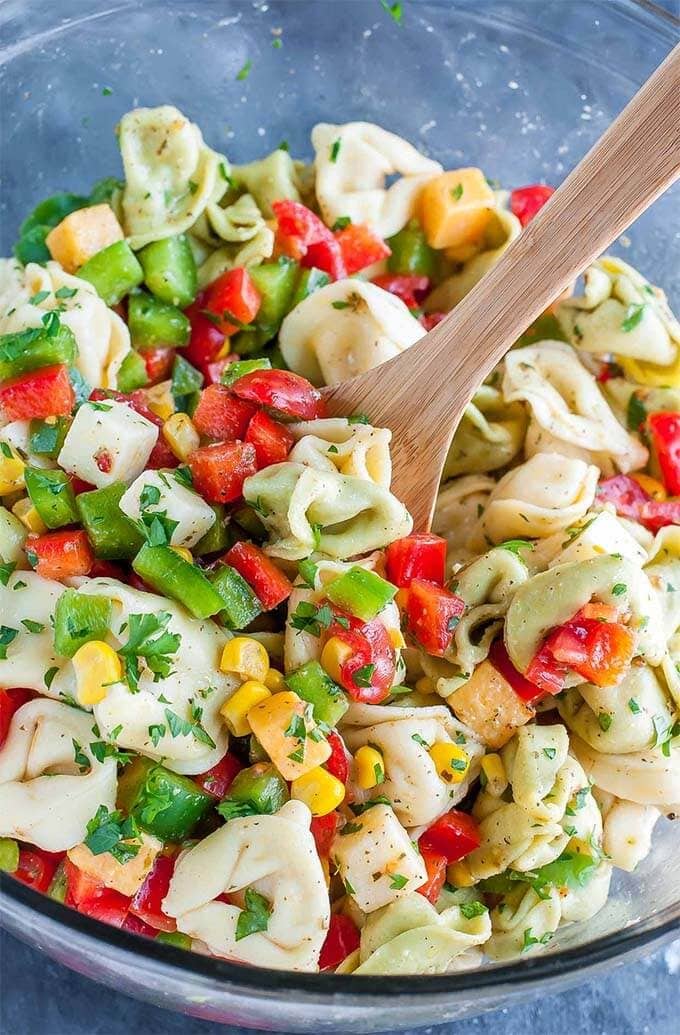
521, 90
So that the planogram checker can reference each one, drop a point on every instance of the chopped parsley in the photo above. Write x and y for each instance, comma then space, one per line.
80, 758
113, 833
605, 720
398, 881
529, 939
156, 733
550, 752
358, 418
419, 740
307, 571
472, 909
5, 572
457, 192
311, 618
340, 304
394, 10
515, 545
255, 916
364, 675
335, 150
244, 72
634, 314
619, 589
179, 727
31, 626
636, 413
634, 706
341, 223
7, 636
144, 645
39, 297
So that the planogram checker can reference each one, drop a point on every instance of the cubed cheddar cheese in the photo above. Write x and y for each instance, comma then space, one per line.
126, 878
107, 442
82, 234
165, 494
488, 705
274, 723
456, 208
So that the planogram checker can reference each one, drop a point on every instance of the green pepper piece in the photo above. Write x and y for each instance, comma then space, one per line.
252, 339
46, 437
276, 283
170, 270
218, 536
114, 272
256, 753
132, 373
154, 324
544, 328
242, 367
59, 884
361, 592
104, 189
411, 254
79, 618
246, 518
176, 938
257, 791
313, 684
9, 855
186, 384
114, 537
47, 214
52, 496
241, 606
163, 803
170, 574
35, 347
309, 281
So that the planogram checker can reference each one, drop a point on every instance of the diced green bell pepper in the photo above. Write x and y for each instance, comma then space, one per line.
114, 272
9, 855
241, 606
256, 753
361, 592
52, 496
168, 573
313, 684
246, 518
36, 347
257, 791
411, 254
79, 618
276, 283
242, 367
132, 373
176, 938
218, 537
47, 214
170, 270
46, 437
154, 324
163, 803
186, 384
114, 537
309, 281
59, 884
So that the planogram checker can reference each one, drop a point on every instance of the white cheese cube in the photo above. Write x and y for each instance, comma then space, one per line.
377, 861
107, 442
603, 535
164, 494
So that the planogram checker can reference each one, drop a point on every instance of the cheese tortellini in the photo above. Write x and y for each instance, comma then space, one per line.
489, 435
351, 448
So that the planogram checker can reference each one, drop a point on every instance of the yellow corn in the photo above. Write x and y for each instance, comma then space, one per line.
319, 790
29, 516
246, 657
396, 638
494, 771
451, 761
183, 553
160, 400
11, 471
652, 374
225, 350
274, 681
235, 710
335, 653
181, 435
651, 486
369, 767
96, 665
459, 875
425, 685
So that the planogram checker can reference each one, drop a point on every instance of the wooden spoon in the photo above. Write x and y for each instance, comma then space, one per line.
422, 393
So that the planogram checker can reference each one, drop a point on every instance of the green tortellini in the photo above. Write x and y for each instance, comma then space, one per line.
523, 923
273, 178
489, 435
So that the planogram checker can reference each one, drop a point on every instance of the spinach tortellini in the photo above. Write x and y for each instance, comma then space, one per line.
489, 435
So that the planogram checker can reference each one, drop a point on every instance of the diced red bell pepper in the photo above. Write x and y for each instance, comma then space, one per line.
222, 415
433, 613
342, 939
454, 835
136, 926
410, 288
283, 391
303, 236
93, 898
161, 456
664, 433
137, 401
418, 556
78, 485
218, 780
430, 320
271, 439
525, 202
631, 501
268, 582
233, 300
36, 867
435, 865
60, 555
323, 830
158, 363
498, 656
107, 570
42, 393
656, 514
360, 247
546, 673
147, 902
599, 651
338, 761
10, 702
219, 470
206, 339
368, 673
213, 371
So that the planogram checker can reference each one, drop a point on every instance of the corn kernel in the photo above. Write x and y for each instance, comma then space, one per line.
333, 656
369, 767
160, 400
96, 665
29, 516
396, 638
651, 486
246, 657
494, 772
459, 875
235, 710
11, 471
319, 790
451, 761
274, 680
181, 435
183, 553
425, 685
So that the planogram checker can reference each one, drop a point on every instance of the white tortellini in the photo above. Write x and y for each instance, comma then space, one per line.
306, 510
490, 434
403, 735
30, 656
270, 179
350, 448
345, 329
647, 777
570, 414
102, 337
627, 829
591, 536
170, 173
45, 798
459, 505
352, 164
247, 854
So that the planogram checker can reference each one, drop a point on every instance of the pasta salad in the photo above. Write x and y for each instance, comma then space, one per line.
246, 708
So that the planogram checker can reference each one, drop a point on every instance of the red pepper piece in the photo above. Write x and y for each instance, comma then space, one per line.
430, 320
206, 340
338, 761
342, 939
498, 656
303, 236
454, 835
435, 865
433, 614
417, 556
38, 394
525, 202
61, 555
37, 867
360, 247
267, 581
218, 780
10, 702
147, 903
410, 288
222, 415
219, 470
158, 363
233, 300
283, 391
323, 830
271, 439
664, 431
